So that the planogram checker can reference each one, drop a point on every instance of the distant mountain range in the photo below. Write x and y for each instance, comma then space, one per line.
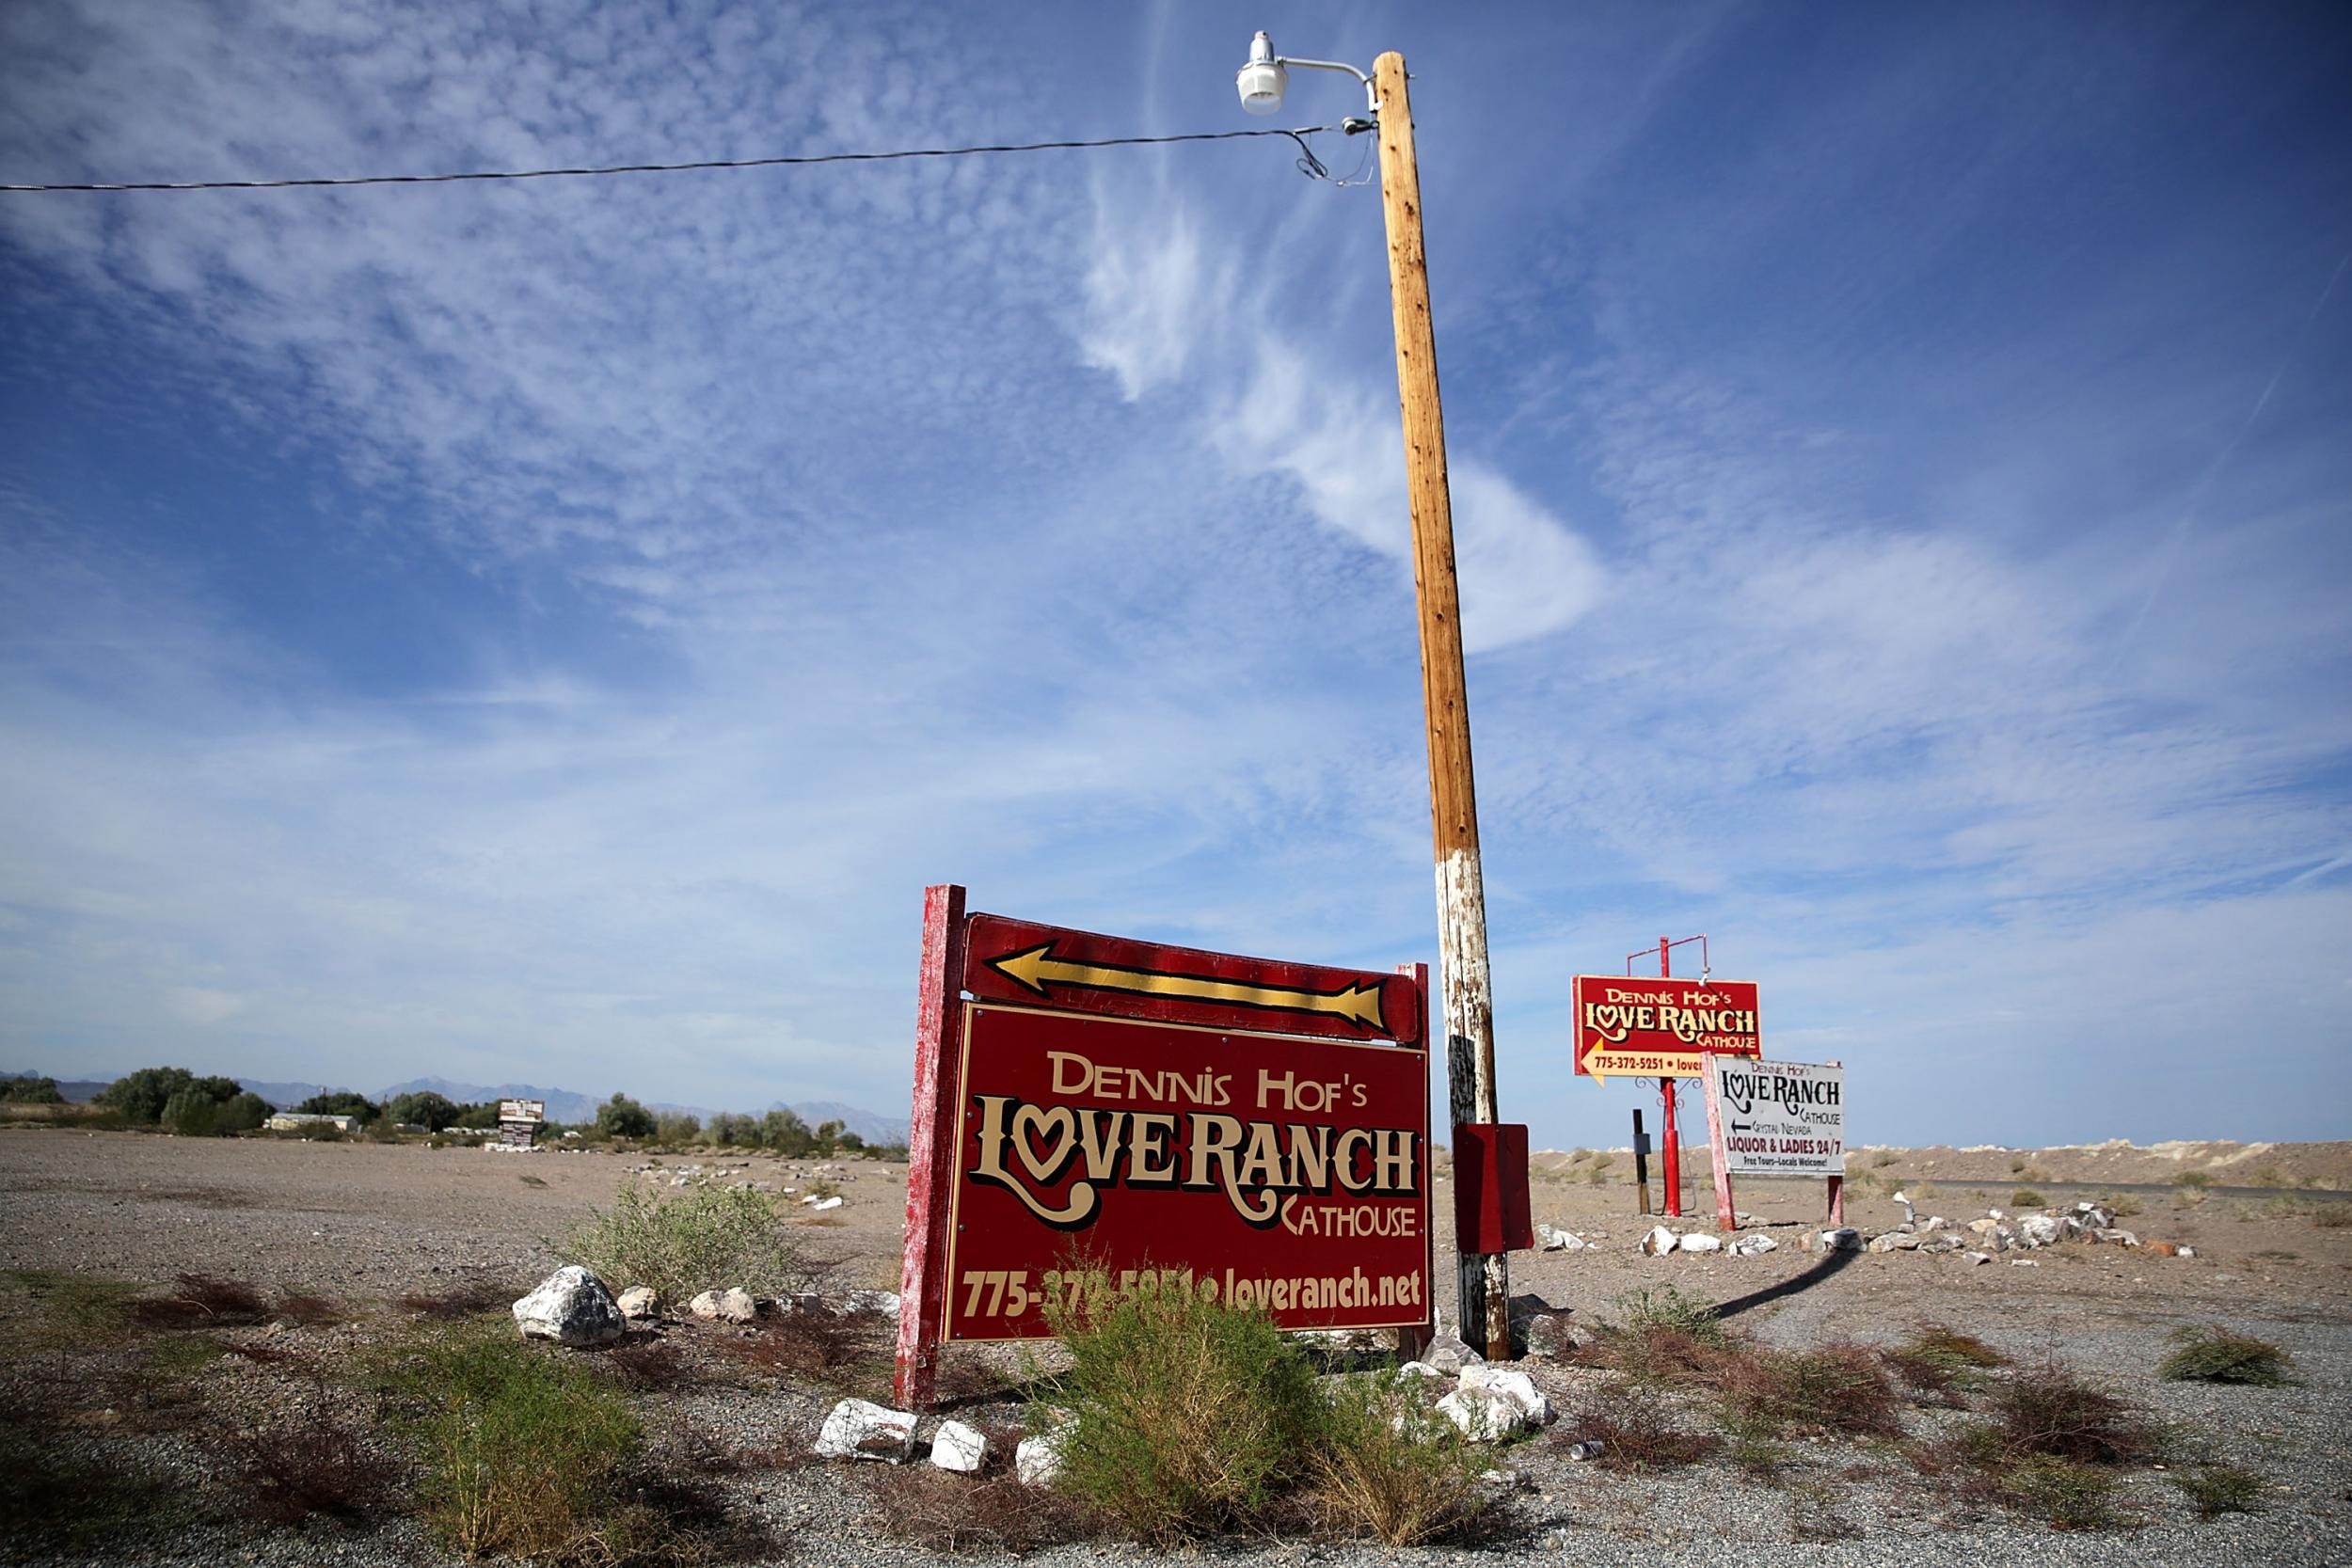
563, 1104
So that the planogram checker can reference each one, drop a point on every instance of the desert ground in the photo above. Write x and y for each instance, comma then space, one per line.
372, 1234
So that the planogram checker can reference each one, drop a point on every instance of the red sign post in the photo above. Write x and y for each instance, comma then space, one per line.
1107, 1110
1665, 1028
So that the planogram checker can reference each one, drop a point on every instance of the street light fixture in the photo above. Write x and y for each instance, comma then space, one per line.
1483, 1278
1264, 80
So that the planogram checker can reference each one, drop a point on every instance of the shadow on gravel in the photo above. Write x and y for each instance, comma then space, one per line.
1830, 1264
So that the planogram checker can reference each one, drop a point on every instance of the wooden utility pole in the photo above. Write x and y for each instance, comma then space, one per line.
1484, 1279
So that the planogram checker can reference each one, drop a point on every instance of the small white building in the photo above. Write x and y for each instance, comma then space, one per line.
309, 1121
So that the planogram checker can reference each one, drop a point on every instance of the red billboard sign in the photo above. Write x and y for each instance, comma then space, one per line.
1092, 1108
1661, 1028
1289, 1174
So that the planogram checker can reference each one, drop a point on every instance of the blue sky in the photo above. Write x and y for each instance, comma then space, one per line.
553, 631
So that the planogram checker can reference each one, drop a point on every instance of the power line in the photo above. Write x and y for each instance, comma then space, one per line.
1307, 163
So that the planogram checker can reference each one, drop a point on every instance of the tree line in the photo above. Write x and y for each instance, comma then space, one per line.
177, 1100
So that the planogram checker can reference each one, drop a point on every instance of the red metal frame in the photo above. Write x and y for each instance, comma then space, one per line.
1001, 960
930, 1143
1672, 1173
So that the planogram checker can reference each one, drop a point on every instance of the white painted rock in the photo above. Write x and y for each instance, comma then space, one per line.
1037, 1462
1750, 1247
1515, 1388
1418, 1369
821, 1204
2040, 1230
859, 1430
1546, 1334
1449, 1354
1484, 1417
1551, 1238
641, 1304
883, 1302
1844, 1238
1659, 1243
1699, 1240
959, 1448
1976, 1257
734, 1306
571, 1306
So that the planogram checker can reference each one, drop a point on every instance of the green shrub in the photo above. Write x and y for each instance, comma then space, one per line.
341, 1102
1941, 1362
1386, 1463
2070, 1495
523, 1452
1667, 1308
623, 1117
425, 1108
2199, 1179
1177, 1413
2026, 1198
2332, 1216
703, 1238
25, 1088
2217, 1356
2217, 1489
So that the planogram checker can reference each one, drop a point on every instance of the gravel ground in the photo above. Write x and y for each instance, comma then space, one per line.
367, 1224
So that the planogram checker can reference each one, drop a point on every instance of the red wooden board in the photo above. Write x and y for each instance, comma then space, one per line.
1288, 1173
1049, 966
1657, 1028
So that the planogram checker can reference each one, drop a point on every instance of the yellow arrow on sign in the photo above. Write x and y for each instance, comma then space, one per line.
1037, 968
1601, 1061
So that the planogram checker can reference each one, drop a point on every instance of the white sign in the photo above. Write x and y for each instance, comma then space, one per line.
522, 1110
1779, 1118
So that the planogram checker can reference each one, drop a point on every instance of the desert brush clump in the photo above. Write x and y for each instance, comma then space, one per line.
2067, 1493
201, 1301
2051, 1447
941, 1512
835, 1348
703, 1238
1386, 1463
1838, 1388
1636, 1427
319, 1469
1177, 1415
2213, 1354
1940, 1363
460, 1301
521, 1450
2219, 1489
1661, 1336
2049, 1410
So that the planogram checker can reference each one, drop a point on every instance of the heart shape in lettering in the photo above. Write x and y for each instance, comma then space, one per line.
1029, 1123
